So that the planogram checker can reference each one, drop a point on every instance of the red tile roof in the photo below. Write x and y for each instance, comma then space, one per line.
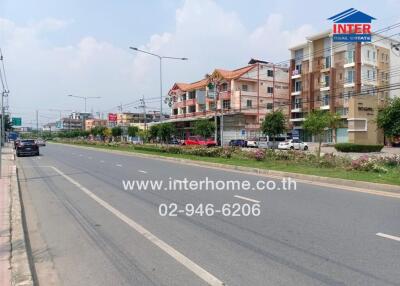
224, 74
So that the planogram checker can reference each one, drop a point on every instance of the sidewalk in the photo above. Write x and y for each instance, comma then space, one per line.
14, 263
5, 216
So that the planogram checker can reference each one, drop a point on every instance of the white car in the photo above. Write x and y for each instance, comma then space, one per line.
252, 143
293, 144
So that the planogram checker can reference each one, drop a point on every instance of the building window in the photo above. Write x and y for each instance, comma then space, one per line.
368, 54
226, 104
212, 105
245, 87
270, 73
224, 87
269, 105
248, 103
270, 89
373, 55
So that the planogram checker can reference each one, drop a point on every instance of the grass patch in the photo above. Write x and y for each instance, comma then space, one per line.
391, 177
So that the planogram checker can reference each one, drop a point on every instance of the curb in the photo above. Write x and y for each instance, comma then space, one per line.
303, 178
20, 267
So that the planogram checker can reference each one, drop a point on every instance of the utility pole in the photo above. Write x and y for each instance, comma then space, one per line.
37, 123
222, 124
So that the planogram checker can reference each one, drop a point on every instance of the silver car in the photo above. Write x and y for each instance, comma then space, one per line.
293, 144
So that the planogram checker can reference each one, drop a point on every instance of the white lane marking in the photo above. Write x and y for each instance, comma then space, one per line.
189, 264
388, 236
118, 165
247, 199
80, 155
39, 158
101, 161
141, 171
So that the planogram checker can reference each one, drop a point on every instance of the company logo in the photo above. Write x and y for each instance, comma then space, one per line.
351, 26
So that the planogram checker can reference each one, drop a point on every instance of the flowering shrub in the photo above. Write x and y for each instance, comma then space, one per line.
365, 163
258, 154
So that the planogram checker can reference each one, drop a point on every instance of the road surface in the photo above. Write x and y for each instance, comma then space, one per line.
85, 229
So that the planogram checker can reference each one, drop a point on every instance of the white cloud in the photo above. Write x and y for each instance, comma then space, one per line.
41, 74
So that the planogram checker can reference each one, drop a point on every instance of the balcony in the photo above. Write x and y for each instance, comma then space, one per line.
325, 103
349, 82
326, 64
296, 107
297, 119
296, 74
224, 95
350, 59
191, 101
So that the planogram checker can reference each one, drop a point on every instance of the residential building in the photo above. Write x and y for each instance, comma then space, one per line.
138, 118
351, 79
94, 122
244, 96
67, 124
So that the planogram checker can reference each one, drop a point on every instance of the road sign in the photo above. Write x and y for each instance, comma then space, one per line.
16, 121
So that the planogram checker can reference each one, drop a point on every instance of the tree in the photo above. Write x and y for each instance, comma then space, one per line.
389, 118
335, 122
133, 131
107, 132
116, 131
153, 132
274, 124
204, 128
316, 122
165, 131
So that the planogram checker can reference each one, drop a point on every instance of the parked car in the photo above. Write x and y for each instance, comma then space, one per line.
198, 140
270, 142
174, 141
238, 143
293, 144
40, 142
27, 147
252, 143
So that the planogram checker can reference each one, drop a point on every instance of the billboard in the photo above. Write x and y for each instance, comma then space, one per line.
112, 117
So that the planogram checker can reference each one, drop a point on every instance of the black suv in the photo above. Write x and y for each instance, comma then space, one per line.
27, 147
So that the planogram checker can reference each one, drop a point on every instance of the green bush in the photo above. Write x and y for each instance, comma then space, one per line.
357, 148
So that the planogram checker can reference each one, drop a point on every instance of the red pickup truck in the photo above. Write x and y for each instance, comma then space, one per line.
198, 140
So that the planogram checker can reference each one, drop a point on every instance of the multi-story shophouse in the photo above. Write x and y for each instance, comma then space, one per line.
244, 96
351, 79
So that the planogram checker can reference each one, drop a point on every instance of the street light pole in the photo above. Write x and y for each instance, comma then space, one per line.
160, 58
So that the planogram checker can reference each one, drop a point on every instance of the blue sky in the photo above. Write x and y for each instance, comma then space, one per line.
54, 48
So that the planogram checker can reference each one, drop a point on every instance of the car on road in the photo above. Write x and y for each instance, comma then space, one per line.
293, 144
238, 143
198, 140
40, 142
27, 147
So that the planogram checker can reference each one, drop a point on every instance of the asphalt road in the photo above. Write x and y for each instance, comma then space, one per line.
85, 229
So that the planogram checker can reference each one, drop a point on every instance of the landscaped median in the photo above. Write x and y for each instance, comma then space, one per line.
384, 170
